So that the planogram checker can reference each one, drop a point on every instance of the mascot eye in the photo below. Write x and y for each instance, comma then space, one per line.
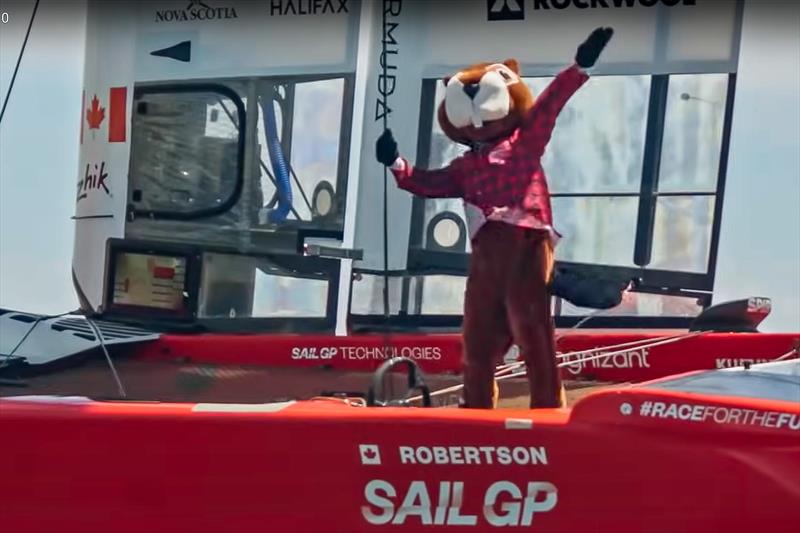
506, 75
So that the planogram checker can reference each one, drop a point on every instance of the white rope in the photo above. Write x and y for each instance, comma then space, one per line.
351, 402
630, 345
501, 375
114, 373
787, 355
454, 388
617, 352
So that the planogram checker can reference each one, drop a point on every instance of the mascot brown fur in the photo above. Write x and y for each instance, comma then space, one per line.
488, 107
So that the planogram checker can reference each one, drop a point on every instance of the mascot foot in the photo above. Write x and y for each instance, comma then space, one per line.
559, 402
495, 399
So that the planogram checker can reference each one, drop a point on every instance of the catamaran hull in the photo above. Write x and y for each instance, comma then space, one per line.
629, 460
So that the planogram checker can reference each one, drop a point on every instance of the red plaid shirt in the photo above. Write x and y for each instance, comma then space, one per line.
505, 180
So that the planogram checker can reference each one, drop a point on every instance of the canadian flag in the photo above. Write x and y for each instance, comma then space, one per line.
93, 113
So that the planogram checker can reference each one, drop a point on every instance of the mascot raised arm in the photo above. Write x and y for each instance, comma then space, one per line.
488, 107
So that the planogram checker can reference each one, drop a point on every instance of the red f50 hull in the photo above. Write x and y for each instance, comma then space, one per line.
634, 459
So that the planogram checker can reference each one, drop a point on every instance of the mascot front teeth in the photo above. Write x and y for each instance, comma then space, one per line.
488, 108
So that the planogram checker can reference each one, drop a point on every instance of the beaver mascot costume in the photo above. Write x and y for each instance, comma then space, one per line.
489, 108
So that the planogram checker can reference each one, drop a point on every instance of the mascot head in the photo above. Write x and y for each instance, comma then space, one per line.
484, 102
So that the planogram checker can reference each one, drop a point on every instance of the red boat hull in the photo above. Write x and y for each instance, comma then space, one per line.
628, 460
441, 353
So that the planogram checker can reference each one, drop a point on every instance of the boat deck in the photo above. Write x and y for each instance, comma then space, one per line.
188, 382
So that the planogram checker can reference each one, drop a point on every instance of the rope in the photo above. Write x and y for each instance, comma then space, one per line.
19, 60
350, 402
617, 352
648, 343
114, 373
387, 334
384, 60
787, 355
502, 369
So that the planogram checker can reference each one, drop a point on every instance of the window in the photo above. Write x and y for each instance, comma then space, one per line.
309, 124
597, 148
316, 143
212, 167
634, 172
596, 229
192, 157
186, 159
236, 286
440, 295
598, 142
687, 182
426, 295
367, 294
641, 304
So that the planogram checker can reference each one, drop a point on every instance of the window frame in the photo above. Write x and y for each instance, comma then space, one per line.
423, 261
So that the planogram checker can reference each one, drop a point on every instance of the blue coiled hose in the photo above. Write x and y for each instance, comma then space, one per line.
279, 166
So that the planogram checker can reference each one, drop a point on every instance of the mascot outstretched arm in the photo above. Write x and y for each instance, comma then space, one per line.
489, 108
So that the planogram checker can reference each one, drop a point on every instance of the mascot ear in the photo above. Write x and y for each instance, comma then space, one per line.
513, 64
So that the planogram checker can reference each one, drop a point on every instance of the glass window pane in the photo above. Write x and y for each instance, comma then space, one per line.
596, 229
598, 142
442, 295
367, 294
316, 123
682, 235
236, 286
693, 132
597, 145
641, 304
315, 136
184, 151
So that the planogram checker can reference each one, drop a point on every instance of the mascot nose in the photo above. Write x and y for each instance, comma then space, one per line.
471, 89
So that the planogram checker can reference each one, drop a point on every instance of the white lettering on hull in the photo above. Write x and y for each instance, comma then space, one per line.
504, 503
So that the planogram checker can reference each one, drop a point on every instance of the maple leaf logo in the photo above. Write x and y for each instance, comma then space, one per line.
370, 455
95, 114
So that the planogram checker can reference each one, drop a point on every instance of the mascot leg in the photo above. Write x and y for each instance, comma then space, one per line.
486, 334
531, 323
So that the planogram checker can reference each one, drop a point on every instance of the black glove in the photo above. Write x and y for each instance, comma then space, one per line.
589, 51
386, 148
